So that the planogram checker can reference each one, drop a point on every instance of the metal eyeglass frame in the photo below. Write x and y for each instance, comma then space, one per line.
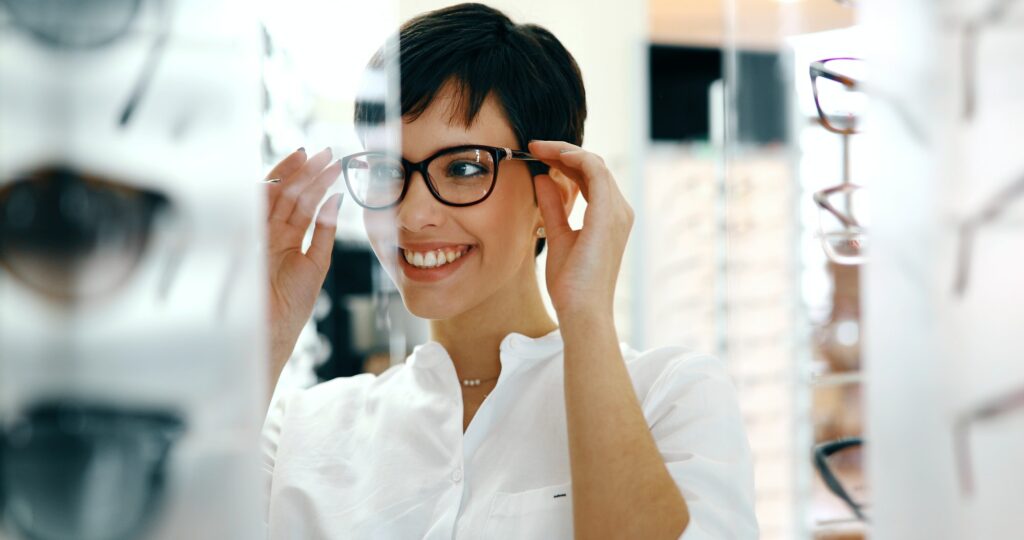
821, 454
498, 154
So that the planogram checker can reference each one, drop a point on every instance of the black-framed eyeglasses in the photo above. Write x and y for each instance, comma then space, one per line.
841, 466
78, 470
91, 25
458, 176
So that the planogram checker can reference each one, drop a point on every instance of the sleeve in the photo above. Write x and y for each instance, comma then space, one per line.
696, 423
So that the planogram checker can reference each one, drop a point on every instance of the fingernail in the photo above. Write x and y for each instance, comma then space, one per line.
340, 197
301, 149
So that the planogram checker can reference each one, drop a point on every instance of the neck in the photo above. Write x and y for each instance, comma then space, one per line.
473, 337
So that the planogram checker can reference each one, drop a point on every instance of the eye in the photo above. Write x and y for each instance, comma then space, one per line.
466, 169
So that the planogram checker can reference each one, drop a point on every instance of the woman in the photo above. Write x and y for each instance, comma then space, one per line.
505, 424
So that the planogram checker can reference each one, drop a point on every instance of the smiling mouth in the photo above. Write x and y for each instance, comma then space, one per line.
436, 258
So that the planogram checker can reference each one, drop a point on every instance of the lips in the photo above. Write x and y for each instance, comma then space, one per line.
432, 262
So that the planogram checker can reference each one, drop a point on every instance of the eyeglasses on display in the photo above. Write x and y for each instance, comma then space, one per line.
70, 235
90, 25
969, 228
841, 466
838, 94
843, 236
985, 412
84, 471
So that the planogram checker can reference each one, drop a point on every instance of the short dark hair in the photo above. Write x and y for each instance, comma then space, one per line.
481, 52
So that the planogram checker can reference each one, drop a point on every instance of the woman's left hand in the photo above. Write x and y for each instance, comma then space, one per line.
582, 265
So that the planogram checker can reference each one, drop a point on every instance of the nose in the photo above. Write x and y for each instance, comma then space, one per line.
419, 209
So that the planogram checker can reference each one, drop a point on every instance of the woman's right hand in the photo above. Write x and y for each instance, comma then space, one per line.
297, 184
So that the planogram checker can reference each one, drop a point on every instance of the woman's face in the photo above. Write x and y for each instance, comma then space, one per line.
491, 244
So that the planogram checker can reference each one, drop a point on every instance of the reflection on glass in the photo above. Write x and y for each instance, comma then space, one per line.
992, 409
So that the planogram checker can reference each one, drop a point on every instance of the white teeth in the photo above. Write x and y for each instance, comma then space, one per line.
431, 259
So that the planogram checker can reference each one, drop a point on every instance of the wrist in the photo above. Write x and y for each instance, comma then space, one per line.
586, 319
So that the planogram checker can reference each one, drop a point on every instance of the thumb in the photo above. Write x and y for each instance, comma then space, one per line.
552, 208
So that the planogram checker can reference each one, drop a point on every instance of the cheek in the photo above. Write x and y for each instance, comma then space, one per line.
508, 225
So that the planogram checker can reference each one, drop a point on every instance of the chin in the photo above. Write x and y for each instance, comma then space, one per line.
427, 306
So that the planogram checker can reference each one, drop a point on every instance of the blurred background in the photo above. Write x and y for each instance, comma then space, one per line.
829, 198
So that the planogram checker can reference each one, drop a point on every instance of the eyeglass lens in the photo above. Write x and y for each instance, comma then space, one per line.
74, 24
69, 236
841, 105
461, 176
71, 471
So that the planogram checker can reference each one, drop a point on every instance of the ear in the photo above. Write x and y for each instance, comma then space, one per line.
568, 189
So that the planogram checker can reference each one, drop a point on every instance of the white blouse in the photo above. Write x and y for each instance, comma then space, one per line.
385, 456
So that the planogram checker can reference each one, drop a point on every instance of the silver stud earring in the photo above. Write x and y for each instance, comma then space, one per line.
540, 232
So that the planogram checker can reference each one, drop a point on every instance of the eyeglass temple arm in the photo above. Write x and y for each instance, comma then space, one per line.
818, 69
821, 199
821, 455
961, 431
153, 57
518, 155
990, 212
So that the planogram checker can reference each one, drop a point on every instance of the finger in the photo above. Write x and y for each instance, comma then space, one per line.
585, 168
272, 191
284, 168
295, 184
322, 244
287, 166
313, 194
552, 208
573, 174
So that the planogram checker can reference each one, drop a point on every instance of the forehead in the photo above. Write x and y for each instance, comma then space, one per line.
443, 125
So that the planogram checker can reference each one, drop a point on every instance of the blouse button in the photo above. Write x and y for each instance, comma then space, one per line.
457, 475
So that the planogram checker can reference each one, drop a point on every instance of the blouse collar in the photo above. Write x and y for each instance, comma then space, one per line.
515, 350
